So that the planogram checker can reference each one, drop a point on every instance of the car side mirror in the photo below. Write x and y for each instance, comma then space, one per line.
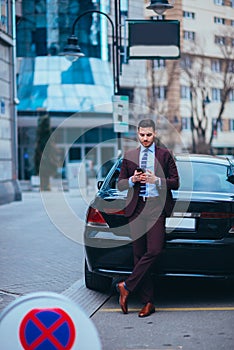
99, 184
230, 172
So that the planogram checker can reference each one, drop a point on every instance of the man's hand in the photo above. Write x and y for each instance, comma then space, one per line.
138, 176
148, 177
151, 178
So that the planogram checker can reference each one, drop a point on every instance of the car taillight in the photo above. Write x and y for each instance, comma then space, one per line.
217, 215
94, 217
113, 211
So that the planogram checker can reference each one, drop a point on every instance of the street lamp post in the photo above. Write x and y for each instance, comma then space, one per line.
72, 50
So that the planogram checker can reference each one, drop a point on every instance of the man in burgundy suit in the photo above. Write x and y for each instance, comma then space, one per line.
149, 174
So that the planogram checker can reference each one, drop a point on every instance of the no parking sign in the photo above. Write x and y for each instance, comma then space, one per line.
46, 321
48, 329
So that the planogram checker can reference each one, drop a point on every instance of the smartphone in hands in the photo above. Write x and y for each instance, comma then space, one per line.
140, 170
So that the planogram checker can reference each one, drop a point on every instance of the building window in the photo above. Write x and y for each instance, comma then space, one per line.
232, 3
231, 67
186, 62
216, 94
220, 40
3, 15
232, 23
219, 124
216, 66
39, 38
185, 92
231, 96
219, 20
219, 2
160, 92
189, 35
189, 14
231, 125
159, 64
186, 123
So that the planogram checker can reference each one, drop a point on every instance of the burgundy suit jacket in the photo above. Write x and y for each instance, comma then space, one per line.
165, 168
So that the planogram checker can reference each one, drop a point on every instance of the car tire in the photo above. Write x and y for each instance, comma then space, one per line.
96, 282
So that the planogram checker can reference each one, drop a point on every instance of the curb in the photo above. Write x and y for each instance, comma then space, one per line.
90, 301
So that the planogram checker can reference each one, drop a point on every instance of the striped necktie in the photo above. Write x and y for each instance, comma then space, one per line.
143, 166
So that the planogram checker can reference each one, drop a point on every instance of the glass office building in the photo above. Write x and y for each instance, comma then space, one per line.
76, 96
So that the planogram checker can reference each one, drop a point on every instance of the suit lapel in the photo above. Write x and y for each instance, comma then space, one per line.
137, 156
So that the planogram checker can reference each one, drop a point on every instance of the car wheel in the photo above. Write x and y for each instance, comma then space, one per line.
96, 282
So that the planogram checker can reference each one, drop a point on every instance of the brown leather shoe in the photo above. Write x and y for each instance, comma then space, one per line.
123, 295
147, 310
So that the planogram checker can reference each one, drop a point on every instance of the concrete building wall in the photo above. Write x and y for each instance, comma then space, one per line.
9, 188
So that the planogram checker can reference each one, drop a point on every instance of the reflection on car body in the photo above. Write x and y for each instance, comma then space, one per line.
199, 233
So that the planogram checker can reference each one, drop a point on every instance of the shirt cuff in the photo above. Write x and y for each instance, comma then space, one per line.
131, 184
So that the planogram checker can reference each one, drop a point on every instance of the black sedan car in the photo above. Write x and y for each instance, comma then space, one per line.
199, 233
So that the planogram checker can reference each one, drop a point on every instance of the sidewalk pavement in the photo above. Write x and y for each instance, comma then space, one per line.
41, 242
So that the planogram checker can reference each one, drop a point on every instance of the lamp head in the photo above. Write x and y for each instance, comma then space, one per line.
72, 50
160, 6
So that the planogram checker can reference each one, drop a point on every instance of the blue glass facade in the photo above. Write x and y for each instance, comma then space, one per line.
48, 83
55, 84
46, 24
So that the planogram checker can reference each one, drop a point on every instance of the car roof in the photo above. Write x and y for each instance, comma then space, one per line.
201, 158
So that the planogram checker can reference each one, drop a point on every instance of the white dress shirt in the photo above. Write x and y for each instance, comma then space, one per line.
151, 189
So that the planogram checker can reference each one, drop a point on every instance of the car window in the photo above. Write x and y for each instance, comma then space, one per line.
204, 177
111, 179
194, 176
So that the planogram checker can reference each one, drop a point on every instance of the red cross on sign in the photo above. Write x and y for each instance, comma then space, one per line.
51, 329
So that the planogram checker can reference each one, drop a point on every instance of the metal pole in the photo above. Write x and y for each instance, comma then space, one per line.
117, 38
114, 42
15, 167
117, 59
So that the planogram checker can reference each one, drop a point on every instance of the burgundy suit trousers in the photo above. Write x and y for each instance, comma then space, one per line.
147, 227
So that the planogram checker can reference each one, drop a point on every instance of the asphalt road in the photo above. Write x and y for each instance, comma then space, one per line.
189, 315
41, 250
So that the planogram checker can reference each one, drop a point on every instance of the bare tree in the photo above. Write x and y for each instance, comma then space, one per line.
227, 50
159, 78
163, 76
200, 80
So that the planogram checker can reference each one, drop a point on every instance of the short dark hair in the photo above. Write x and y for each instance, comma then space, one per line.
147, 123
